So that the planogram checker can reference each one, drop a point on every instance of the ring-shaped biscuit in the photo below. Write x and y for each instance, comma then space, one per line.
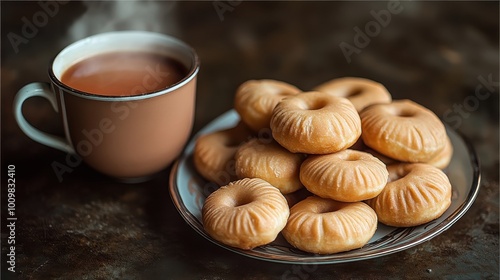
315, 123
266, 159
213, 154
324, 226
255, 100
417, 193
403, 130
245, 214
361, 92
347, 176
443, 159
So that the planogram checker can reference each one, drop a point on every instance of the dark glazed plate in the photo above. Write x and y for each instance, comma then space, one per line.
188, 192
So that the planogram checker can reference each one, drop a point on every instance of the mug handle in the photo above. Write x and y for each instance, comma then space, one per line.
43, 90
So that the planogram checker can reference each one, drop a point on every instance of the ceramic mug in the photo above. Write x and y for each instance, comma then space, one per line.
126, 137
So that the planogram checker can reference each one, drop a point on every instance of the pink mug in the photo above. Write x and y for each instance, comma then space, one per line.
127, 137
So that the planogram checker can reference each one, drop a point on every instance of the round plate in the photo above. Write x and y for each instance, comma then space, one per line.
188, 191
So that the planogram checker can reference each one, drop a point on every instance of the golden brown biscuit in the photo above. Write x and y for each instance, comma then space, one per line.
256, 99
403, 130
324, 226
269, 161
347, 176
443, 159
315, 123
214, 152
245, 214
417, 193
361, 92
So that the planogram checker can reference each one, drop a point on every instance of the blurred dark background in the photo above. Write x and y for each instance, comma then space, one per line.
436, 53
427, 49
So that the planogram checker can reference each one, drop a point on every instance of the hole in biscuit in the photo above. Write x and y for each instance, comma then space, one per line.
328, 208
354, 92
393, 177
404, 113
352, 157
348, 155
241, 200
396, 173
315, 105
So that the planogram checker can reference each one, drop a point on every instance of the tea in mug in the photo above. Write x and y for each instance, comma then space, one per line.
124, 73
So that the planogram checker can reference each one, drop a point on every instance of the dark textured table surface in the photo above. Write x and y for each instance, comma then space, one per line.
88, 226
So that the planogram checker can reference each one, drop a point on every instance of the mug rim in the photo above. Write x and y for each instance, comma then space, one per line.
191, 74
